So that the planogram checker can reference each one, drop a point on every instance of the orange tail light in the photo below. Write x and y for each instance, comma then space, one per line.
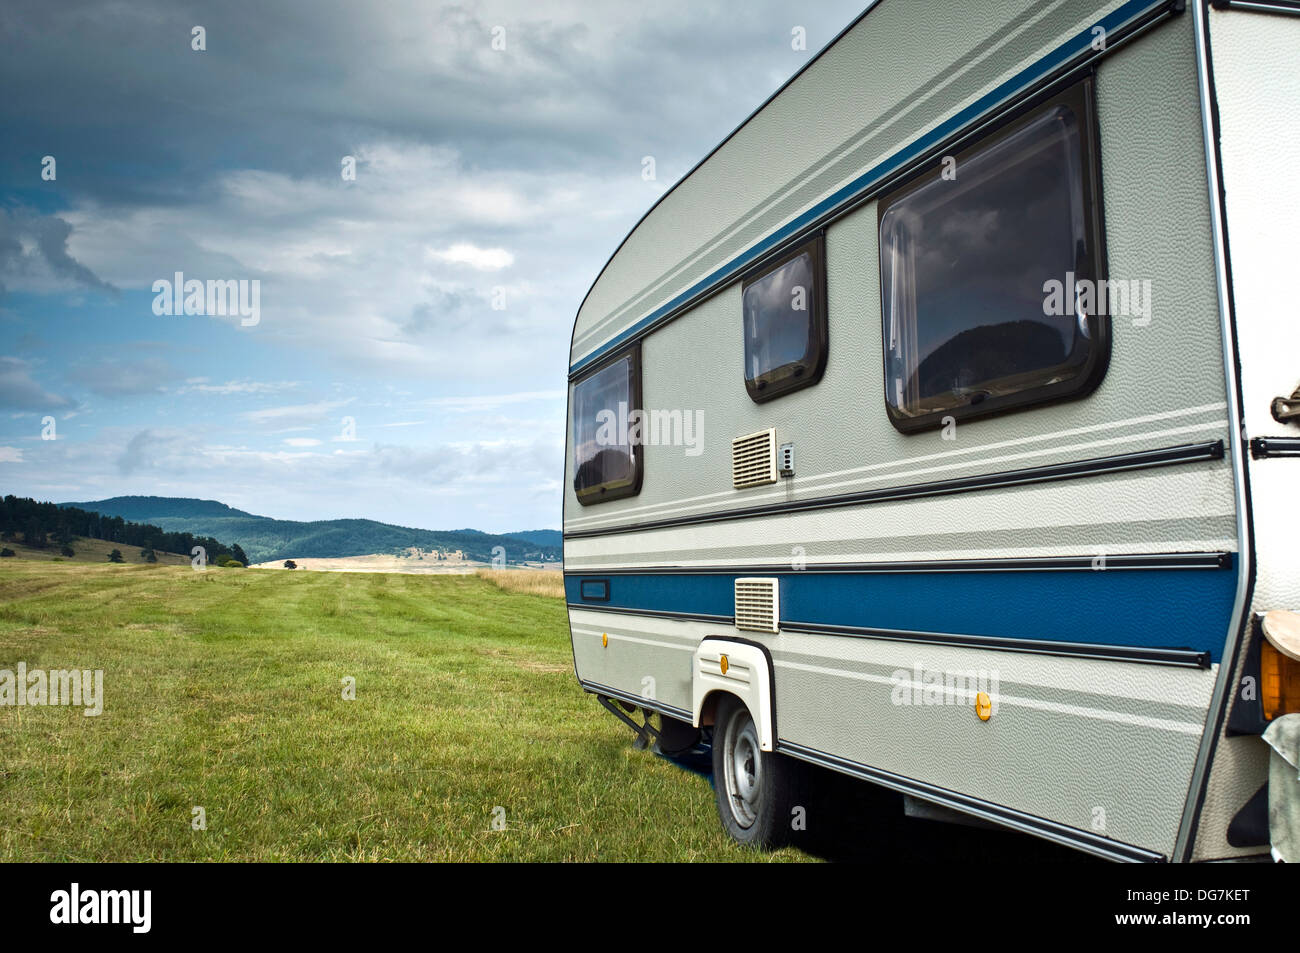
1279, 673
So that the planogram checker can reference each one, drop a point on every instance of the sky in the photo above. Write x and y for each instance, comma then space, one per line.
422, 192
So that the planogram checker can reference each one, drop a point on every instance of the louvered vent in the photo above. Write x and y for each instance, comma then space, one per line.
753, 459
758, 606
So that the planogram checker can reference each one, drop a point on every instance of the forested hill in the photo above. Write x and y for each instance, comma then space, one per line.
41, 525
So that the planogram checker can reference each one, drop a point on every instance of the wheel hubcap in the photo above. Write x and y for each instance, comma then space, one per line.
743, 766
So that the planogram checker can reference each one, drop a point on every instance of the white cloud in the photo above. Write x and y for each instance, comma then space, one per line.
20, 391
484, 259
201, 385
394, 273
295, 414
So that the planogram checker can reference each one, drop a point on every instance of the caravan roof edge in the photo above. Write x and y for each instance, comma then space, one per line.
871, 5
1127, 20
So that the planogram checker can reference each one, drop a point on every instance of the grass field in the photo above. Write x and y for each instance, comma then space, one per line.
224, 690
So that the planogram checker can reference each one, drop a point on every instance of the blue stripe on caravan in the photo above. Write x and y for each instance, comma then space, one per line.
1141, 608
1073, 47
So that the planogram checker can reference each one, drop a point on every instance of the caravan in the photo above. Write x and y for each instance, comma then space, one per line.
981, 328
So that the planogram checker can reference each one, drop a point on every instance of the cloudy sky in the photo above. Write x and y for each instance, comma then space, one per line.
409, 356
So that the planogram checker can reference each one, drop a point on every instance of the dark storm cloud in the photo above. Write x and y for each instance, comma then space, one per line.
491, 186
115, 92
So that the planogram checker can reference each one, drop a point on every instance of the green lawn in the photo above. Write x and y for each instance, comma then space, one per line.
223, 689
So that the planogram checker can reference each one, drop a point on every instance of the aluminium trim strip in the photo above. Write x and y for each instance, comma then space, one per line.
1215, 560
1261, 447
1184, 658
1187, 453
1186, 840
1259, 6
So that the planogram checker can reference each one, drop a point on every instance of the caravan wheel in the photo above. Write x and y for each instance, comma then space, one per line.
757, 790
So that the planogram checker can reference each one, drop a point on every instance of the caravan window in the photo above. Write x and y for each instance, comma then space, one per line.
989, 264
785, 323
606, 464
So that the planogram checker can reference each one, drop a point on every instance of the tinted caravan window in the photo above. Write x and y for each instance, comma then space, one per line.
606, 465
968, 255
785, 323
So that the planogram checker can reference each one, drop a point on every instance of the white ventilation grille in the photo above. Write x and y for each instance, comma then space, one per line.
753, 459
758, 606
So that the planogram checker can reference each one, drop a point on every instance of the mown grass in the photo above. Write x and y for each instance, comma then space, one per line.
223, 689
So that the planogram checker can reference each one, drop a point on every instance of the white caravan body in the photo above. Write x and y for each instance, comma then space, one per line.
1010, 563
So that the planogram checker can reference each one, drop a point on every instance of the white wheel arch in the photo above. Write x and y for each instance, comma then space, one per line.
748, 676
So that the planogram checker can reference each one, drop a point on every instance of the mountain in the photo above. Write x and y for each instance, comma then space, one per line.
266, 539
542, 537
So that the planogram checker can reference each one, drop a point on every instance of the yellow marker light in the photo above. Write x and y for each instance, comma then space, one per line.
983, 706
723, 664
1279, 664
604, 639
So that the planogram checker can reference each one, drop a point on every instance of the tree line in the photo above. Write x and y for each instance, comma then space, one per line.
41, 525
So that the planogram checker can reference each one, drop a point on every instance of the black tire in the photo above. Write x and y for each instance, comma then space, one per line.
757, 794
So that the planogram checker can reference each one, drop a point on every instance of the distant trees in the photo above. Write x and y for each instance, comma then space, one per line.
39, 522
34, 534
116, 556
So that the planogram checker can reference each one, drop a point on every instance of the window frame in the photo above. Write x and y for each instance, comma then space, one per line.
1080, 97
780, 380
611, 490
